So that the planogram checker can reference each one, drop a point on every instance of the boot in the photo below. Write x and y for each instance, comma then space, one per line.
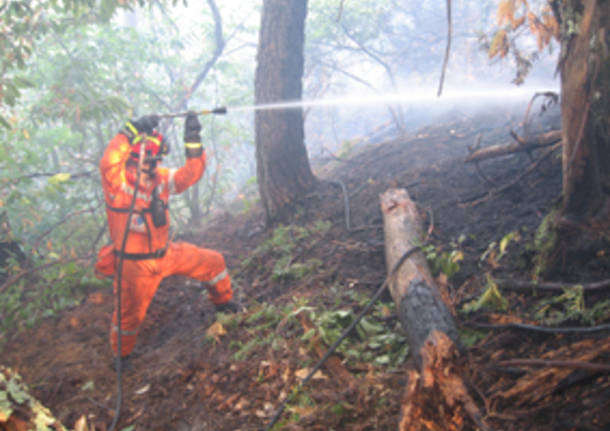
126, 364
227, 307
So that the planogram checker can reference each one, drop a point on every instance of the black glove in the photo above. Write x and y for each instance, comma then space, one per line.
192, 138
227, 307
192, 127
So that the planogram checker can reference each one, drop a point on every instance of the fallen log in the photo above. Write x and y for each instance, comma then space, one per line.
19, 410
435, 396
522, 144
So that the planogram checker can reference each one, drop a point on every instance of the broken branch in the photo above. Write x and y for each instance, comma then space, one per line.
531, 285
522, 144
545, 329
591, 366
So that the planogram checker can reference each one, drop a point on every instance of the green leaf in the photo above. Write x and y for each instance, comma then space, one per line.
371, 328
382, 360
505, 241
60, 178
16, 392
5, 407
308, 335
43, 419
491, 298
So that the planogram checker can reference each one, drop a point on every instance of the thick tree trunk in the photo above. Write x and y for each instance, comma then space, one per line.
435, 393
585, 111
580, 227
283, 172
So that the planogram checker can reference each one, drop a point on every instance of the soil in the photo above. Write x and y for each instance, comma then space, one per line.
189, 376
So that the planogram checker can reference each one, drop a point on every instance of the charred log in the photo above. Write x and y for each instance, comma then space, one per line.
435, 393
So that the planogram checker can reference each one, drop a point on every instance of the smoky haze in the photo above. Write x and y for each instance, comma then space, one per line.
372, 72
391, 83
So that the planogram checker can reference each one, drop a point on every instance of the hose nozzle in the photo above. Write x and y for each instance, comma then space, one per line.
219, 110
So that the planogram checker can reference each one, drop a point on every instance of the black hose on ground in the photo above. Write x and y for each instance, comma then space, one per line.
345, 333
119, 400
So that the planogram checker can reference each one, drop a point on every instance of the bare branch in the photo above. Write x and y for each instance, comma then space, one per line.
62, 221
447, 50
15, 278
220, 44
546, 329
554, 287
591, 366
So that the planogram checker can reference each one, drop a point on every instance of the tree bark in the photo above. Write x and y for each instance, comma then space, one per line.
283, 172
420, 307
585, 111
580, 226
435, 392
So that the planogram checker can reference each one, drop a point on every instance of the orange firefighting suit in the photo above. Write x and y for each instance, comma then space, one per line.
149, 256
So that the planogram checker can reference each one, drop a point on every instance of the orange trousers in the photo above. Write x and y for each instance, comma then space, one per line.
141, 278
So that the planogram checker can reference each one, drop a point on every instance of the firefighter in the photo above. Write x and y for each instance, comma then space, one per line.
148, 255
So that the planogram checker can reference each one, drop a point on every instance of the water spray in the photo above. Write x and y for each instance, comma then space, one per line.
414, 96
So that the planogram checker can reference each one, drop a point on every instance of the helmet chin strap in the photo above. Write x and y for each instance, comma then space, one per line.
150, 165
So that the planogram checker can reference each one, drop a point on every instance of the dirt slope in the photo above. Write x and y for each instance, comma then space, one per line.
187, 380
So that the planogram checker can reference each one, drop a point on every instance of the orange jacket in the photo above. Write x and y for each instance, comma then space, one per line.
118, 186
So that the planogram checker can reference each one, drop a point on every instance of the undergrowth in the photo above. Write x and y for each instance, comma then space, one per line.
25, 303
269, 327
284, 248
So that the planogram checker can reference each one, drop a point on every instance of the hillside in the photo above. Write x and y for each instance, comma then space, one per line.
196, 370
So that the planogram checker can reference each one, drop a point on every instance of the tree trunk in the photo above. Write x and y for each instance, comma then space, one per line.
580, 227
283, 172
585, 111
435, 393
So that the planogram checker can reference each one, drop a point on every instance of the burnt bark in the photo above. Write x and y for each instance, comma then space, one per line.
283, 172
435, 393
420, 307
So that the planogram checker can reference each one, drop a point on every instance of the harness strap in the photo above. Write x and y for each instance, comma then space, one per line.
157, 254
126, 210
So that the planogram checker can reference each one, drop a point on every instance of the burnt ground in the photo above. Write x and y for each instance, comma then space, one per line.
197, 370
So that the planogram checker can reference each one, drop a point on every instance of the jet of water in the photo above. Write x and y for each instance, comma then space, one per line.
407, 97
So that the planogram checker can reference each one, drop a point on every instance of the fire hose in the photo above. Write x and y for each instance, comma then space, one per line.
119, 272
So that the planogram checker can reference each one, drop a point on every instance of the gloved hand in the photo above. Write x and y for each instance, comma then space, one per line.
192, 137
227, 307
144, 124
192, 127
